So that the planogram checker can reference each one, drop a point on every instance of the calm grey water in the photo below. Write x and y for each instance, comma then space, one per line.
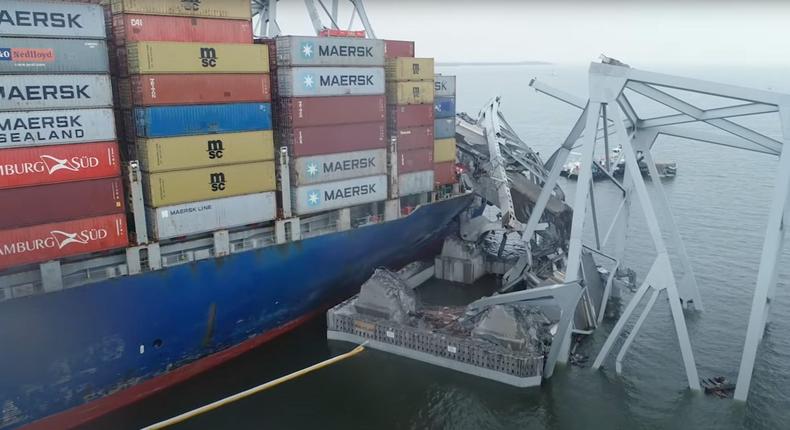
720, 200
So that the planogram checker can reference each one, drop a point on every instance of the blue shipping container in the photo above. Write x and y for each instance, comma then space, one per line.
444, 128
443, 107
167, 121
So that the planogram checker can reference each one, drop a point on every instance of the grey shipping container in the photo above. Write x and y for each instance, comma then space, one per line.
210, 215
27, 55
329, 51
335, 167
49, 19
340, 194
26, 92
444, 128
330, 81
444, 86
415, 182
54, 127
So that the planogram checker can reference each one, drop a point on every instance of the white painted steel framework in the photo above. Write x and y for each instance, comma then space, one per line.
265, 16
621, 124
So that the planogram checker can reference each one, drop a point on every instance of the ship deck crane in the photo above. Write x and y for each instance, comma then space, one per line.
265, 17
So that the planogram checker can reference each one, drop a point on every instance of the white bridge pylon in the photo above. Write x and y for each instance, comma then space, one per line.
609, 114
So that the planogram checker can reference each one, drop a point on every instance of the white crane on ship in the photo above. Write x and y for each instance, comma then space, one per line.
265, 17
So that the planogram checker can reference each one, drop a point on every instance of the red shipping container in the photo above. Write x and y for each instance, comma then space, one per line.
413, 138
312, 111
444, 173
398, 48
141, 28
43, 204
21, 167
64, 239
402, 116
415, 160
154, 90
332, 139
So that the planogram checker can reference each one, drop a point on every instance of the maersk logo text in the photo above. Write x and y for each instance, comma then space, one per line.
348, 192
34, 129
23, 18
346, 80
345, 51
346, 165
44, 92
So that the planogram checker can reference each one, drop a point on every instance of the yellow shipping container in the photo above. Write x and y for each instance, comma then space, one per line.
410, 93
189, 152
184, 186
444, 150
232, 9
178, 57
409, 69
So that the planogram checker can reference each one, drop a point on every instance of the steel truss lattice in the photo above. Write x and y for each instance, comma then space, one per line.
265, 16
608, 113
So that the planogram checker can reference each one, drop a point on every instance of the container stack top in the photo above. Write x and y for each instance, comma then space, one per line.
61, 194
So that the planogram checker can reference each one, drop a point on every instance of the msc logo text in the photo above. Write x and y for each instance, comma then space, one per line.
208, 57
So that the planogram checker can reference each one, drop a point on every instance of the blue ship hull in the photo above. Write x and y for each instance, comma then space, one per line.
70, 356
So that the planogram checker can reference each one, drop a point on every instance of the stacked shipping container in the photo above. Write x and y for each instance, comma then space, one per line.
409, 104
196, 98
60, 188
444, 130
332, 120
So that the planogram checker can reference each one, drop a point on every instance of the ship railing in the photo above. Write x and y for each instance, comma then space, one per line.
318, 225
86, 269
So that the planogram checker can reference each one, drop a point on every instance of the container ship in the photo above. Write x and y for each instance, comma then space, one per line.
175, 192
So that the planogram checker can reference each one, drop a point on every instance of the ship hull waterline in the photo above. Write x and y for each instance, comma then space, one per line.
80, 353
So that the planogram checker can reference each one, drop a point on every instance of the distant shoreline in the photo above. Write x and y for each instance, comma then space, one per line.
495, 63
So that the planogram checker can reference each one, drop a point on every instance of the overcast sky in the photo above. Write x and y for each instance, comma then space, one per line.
561, 31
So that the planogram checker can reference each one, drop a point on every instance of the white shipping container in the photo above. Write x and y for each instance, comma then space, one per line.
48, 19
335, 167
210, 215
329, 51
444, 86
29, 92
340, 194
330, 81
415, 182
55, 127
